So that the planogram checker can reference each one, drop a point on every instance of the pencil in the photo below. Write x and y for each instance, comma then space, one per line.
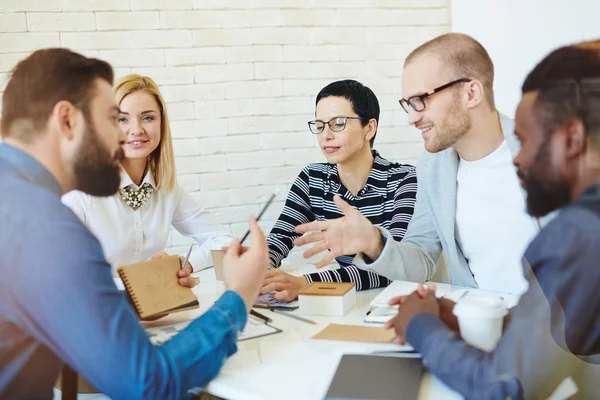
260, 215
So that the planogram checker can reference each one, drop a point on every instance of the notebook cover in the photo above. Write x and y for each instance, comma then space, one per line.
153, 288
356, 333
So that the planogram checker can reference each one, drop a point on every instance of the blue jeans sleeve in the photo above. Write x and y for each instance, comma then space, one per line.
464, 368
74, 309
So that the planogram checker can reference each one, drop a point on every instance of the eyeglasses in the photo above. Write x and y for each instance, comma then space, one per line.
418, 102
336, 124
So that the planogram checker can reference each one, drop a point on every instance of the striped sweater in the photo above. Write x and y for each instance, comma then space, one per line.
387, 200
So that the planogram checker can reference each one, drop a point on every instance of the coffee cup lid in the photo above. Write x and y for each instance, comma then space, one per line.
480, 306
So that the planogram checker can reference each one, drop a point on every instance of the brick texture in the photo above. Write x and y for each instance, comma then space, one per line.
240, 77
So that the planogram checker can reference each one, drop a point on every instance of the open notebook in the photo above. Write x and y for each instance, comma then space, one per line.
153, 288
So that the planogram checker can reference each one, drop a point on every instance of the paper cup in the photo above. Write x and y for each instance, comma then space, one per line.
480, 318
217, 257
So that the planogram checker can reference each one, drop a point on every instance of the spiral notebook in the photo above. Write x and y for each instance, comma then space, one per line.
153, 289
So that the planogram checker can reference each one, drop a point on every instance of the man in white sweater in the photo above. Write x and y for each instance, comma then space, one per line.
469, 202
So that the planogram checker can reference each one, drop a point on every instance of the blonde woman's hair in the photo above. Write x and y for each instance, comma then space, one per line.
161, 161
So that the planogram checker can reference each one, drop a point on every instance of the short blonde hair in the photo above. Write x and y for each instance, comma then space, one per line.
162, 160
466, 58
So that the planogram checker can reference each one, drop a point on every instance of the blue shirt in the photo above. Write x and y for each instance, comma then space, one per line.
59, 303
554, 331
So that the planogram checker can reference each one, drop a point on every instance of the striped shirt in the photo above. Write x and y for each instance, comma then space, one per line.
387, 200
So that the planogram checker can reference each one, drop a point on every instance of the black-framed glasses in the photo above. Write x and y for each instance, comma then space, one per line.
336, 124
418, 102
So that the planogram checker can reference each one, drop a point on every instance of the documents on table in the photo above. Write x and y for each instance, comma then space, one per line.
380, 315
256, 328
403, 288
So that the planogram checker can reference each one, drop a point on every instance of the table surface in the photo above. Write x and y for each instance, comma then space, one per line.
289, 364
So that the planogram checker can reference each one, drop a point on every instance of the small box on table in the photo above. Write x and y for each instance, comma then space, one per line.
325, 298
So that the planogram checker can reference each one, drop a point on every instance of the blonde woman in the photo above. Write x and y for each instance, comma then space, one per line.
134, 224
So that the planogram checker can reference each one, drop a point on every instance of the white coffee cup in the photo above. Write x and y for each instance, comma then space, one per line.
480, 318
215, 246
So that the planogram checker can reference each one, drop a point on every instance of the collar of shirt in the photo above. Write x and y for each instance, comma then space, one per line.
126, 180
380, 166
591, 193
30, 168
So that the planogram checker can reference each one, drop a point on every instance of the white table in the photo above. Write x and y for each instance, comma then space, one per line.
289, 364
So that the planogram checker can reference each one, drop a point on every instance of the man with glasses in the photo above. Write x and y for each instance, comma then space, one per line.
554, 331
347, 115
469, 202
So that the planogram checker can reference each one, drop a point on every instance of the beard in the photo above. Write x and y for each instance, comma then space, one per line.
96, 172
453, 127
546, 189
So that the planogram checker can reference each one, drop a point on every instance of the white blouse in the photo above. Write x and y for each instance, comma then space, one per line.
129, 236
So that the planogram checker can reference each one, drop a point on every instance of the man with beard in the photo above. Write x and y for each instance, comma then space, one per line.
58, 301
554, 331
469, 203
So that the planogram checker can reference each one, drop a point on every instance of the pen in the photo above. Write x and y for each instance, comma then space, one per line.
287, 313
187, 257
259, 315
260, 214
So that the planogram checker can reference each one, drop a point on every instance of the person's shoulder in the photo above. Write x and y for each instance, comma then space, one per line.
41, 235
395, 170
317, 169
573, 231
24, 196
431, 164
318, 166
76, 197
176, 192
37, 217
26, 201
575, 215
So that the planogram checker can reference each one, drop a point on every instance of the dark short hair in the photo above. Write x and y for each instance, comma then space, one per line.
568, 85
43, 79
363, 100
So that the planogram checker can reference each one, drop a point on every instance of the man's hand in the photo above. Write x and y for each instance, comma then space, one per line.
244, 270
446, 307
184, 278
420, 301
285, 285
350, 234
446, 315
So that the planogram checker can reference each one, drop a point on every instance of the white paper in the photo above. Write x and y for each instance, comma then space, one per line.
255, 328
380, 315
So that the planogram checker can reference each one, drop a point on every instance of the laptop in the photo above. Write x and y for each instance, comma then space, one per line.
364, 376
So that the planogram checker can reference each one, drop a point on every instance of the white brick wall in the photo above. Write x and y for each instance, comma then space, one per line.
240, 77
